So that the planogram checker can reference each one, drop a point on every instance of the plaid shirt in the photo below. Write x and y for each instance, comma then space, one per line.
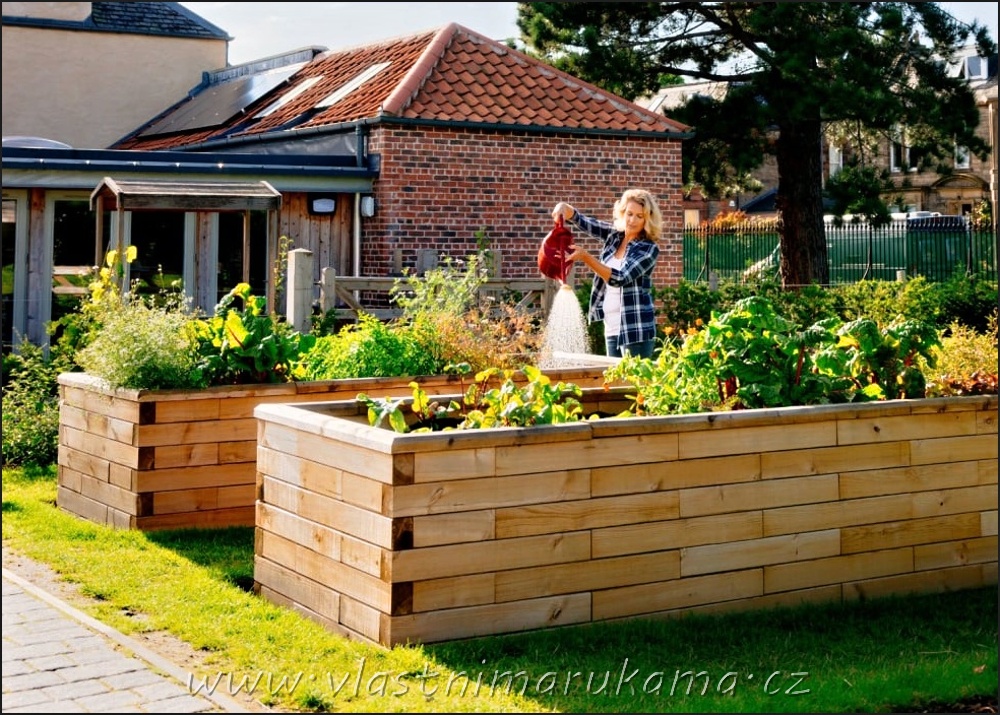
634, 278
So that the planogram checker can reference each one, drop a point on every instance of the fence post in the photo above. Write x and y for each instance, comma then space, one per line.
901, 275
327, 288
713, 281
300, 289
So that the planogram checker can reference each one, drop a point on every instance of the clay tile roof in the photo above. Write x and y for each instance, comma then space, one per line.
449, 75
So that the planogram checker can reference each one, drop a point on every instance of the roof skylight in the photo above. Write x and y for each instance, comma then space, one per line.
354, 84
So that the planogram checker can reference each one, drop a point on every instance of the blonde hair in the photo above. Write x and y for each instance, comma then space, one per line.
654, 219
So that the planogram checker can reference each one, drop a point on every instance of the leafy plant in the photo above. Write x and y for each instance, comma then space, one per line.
535, 401
965, 363
144, 347
752, 357
241, 344
371, 348
31, 407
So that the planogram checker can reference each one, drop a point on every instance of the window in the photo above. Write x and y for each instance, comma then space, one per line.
975, 67
835, 157
902, 157
962, 158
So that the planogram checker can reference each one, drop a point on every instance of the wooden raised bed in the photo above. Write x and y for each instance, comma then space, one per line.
393, 538
169, 459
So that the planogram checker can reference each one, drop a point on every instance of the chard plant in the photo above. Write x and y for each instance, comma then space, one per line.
242, 344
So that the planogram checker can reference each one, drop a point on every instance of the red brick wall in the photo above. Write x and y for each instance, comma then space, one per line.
438, 187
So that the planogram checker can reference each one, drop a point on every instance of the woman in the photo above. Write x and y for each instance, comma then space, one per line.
622, 293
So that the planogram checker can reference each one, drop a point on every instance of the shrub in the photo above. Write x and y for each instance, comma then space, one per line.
31, 407
965, 363
144, 347
370, 348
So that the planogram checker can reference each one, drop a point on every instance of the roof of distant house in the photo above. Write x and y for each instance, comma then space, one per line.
451, 75
169, 19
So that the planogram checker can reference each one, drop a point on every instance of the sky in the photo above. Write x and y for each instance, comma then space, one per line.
262, 29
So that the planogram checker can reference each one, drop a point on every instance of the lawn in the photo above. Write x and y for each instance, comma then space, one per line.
886, 655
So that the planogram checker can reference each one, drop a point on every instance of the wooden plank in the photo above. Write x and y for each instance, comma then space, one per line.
955, 553
488, 619
837, 569
585, 454
893, 534
905, 427
677, 533
454, 464
212, 475
443, 593
953, 449
644, 478
939, 581
988, 523
327, 450
344, 579
954, 501
91, 401
83, 463
76, 503
767, 494
206, 499
454, 528
476, 494
364, 556
363, 492
304, 473
233, 452
460, 559
924, 477
986, 423
69, 478
742, 555
95, 423
278, 598
642, 599
359, 617
185, 455
753, 440
592, 575
100, 447
174, 433
834, 459
115, 497
546, 518
292, 527
345, 518
210, 519
201, 406
296, 588
836, 514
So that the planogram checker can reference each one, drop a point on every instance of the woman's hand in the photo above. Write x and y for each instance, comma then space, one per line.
563, 210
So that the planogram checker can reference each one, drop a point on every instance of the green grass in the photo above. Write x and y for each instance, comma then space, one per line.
883, 655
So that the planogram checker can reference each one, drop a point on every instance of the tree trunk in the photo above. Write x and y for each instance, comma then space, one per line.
800, 201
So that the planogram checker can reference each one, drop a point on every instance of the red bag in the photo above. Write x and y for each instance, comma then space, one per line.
553, 251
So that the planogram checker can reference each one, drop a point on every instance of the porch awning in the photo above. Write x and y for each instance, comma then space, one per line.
113, 194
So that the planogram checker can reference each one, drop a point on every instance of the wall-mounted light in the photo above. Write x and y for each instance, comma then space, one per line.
322, 205
367, 206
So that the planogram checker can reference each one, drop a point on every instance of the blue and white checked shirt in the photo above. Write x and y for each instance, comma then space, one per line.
635, 278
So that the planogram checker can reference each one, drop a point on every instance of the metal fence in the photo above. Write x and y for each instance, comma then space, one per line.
933, 247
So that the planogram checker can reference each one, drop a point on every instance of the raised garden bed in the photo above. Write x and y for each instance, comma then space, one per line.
394, 538
169, 459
